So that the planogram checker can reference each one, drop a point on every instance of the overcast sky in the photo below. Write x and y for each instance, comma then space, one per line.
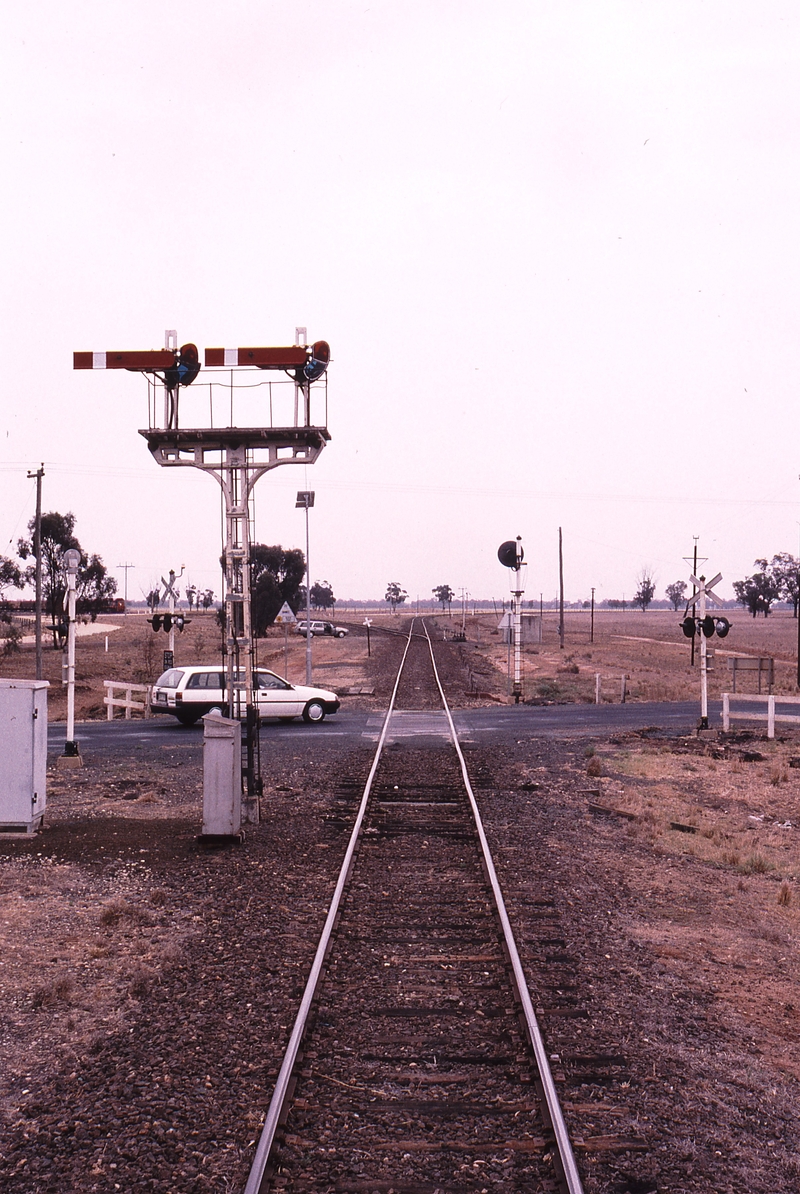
553, 246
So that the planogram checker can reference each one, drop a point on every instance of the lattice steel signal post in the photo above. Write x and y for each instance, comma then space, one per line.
253, 425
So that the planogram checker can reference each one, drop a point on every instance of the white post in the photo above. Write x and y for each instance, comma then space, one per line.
703, 660
72, 559
171, 614
309, 635
726, 712
623, 689
597, 688
771, 716
304, 501
518, 591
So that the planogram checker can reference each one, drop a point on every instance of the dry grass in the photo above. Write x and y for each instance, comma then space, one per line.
647, 648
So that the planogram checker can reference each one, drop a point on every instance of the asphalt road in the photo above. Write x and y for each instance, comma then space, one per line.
500, 723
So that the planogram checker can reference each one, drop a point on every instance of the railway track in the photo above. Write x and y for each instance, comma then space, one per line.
416, 1062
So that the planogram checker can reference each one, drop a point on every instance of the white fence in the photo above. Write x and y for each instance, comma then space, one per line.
770, 716
126, 702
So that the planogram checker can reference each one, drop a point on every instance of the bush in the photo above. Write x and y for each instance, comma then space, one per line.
10, 636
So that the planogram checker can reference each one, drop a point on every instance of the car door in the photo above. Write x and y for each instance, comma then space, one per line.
276, 697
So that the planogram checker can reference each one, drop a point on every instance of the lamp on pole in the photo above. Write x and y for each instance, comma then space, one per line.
305, 500
511, 555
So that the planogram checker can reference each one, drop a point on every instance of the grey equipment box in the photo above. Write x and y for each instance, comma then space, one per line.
23, 749
222, 776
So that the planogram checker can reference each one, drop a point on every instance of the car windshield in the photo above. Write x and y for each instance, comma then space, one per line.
170, 679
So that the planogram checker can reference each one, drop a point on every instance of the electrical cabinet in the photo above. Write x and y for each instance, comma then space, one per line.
23, 749
222, 776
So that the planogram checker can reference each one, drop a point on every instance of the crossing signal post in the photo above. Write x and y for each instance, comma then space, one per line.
704, 625
169, 622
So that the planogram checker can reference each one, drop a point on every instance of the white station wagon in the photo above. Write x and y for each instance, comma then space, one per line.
189, 692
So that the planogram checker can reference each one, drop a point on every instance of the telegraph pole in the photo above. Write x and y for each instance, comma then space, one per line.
560, 591
37, 551
591, 636
126, 567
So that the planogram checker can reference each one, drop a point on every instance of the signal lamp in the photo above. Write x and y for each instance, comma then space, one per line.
155, 621
723, 627
708, 625
689, 627
185, 369
318, 362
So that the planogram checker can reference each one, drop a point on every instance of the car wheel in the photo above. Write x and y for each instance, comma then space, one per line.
340, 634
314, 712
188, 719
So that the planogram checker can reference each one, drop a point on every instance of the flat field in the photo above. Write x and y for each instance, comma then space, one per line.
649, 650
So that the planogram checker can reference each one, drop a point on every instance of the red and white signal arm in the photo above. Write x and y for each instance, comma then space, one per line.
313, 359
161, 358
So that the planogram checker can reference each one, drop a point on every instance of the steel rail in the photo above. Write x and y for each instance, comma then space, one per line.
281, 1090
566, 1155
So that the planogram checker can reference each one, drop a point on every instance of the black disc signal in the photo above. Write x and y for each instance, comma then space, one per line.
169, 622
709, 626
317, 362
186, 368
507, 554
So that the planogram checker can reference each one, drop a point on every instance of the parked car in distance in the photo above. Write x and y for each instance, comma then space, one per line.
321, 628
190, 692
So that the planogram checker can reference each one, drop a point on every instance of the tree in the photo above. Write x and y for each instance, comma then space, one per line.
153, 599
444, 594
757, 592
322, 595
276, 576
675, 593
94, 586
207, 598
191, 593
646, 591
395, 595
10, 577
784, 569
